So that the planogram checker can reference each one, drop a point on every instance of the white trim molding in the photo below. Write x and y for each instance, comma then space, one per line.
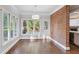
6, 50
59, 44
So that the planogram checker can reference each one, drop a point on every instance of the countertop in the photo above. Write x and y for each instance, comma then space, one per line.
74, 31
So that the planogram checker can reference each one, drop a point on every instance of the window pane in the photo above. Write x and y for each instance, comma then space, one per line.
45, 25
5, 21
11, 33
11, 27
36, 25
16, 26
5, 25
24, 27
30, 25
6, 35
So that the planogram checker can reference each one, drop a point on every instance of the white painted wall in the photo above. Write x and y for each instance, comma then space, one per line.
0, 30
42, 32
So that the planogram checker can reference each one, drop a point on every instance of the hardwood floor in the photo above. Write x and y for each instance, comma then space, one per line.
37, 46
74, 49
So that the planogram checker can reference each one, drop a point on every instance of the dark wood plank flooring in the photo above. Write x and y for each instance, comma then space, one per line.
74, 49
37, 46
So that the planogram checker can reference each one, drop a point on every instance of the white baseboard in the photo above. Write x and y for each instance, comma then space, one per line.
5, 51
31, 38
62, 46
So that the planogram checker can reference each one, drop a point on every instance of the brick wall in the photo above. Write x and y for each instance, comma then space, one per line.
60, 26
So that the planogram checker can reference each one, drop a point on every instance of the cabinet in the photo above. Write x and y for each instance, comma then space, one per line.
74, 22
76, 39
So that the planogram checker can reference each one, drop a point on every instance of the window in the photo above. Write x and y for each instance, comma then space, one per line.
16, 26
24, 27
6, 26
30, 26
45, 25
11, 27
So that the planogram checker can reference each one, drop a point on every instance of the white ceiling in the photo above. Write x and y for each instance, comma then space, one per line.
38, 9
